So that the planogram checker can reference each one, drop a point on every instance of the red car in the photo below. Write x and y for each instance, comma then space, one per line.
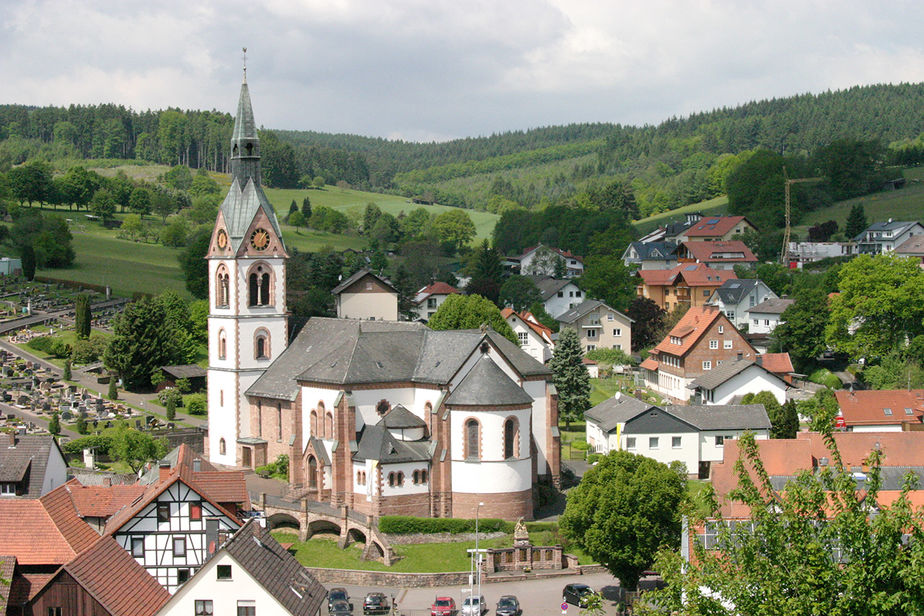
443, 606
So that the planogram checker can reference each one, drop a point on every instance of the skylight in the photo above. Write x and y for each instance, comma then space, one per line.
690, 268
712, 221
734, 285
887, 411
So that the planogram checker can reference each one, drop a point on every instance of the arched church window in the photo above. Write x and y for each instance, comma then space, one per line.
261, 345
314, 423
221, 447
511, 437
265, 289
253, 287
278, 421
222, 344
472, 439
259, 284
312, 472
222, 288
329, 425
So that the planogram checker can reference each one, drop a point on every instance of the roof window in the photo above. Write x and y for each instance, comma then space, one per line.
887, 411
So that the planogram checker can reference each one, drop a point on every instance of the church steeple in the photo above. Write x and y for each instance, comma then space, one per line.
245, 145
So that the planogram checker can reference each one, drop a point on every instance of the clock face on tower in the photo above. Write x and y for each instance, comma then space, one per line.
259, 239
222, 239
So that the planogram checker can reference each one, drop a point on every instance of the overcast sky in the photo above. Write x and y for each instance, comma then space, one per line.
434, 69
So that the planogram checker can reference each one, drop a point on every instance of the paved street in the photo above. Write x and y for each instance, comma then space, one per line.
538, 596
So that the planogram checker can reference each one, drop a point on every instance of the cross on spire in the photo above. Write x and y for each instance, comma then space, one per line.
244, 58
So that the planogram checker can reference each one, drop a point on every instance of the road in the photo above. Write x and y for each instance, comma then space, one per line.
538, 596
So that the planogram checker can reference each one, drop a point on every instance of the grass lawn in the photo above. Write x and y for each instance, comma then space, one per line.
696, 489
716, 206
601, 389
420, 558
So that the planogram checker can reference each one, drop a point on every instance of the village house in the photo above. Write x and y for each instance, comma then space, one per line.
766, 315
883, 237
732, 380
736, 296
598, 326
534, 337
912, 247
541, 261
801, 253
31, 465
703, 340
715, 229
693, 435
428, 299
887, 410
558, 296
688, 284
716, 254
249, 574
366, 295
651, 255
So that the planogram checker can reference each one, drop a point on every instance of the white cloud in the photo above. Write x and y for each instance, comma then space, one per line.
435, 69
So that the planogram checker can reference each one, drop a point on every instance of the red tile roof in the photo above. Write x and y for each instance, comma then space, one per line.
690, 329
777, 363
693, 274
109, 573
60, 508
438, 288
102, 501
530, 321
28, 533
223, 486
864, 408
717, 251
723, 225
25, 585
649, 364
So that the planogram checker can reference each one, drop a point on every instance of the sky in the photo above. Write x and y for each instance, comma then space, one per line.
425, 70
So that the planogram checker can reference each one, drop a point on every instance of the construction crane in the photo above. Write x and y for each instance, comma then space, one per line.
784, 251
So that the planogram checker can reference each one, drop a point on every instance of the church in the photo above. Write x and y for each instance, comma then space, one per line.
383, 417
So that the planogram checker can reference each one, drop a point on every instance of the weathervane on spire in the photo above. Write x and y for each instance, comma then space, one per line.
244, 58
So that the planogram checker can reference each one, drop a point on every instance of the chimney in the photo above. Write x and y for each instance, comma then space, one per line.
740, 355
107, 481
759, 360
164, 468
11, 439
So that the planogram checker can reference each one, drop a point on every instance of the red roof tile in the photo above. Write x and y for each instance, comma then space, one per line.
777, 363
110, 574
874, 407
649, 364
102, 501
223, 486
25, 585
718, 251
61, 509
690, 329
439, 288
693, 274
28, 533
530, 321
723, 225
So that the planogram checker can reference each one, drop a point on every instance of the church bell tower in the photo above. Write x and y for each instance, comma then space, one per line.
247, 322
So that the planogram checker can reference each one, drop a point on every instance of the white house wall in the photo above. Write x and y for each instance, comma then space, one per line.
224, 594
557, 306
751, 381
878, 428
710, 452
762, 323
665, 452
55, 471
408, 487
538, 391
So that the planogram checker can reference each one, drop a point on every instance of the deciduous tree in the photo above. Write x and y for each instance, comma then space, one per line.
470, 312
608, 279
649, 320
801, 331
519, 293
135, 448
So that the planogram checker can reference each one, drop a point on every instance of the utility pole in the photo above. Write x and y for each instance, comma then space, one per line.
784, 251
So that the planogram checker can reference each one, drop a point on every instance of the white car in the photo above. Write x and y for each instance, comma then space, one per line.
474, 606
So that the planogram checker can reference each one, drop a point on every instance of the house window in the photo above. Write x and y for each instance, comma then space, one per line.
675, 442
261, 346
223, 572
246, 608
706, 292
472, 439
523, 337
756, 321
630, 442
195, 511
179, 547
204, 607
610, 317
431, 302
727, 344
138, 547
707, 365
591, 333
652, 442
360, 478
163, 513
731, 315
591, 347
713, 344
54, 611
395, 480
561, 294
766, 321
577, 293
617, 346
182, 576
720, 441
368, 286
7, 489
617, 332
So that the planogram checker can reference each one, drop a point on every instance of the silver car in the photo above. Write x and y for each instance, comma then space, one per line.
474, 606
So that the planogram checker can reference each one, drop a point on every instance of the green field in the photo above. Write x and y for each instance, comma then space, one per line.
715, 206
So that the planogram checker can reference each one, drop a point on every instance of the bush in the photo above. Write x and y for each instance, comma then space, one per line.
616, 357
580, 445
52, 345
408, 525
89, 350
825, 377
168, 394
593, 457
101, 442
278, 469
196, 405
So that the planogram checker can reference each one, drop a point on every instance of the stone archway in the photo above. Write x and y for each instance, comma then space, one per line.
282, 520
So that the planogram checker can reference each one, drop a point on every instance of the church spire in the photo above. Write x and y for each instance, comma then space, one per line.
245, 145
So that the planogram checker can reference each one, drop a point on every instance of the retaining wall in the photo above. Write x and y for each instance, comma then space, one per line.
388, 579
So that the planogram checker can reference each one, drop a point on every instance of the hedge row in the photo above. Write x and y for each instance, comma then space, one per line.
408, 525
101, 442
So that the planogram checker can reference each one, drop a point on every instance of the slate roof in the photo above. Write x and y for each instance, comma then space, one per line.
351, 351
276, 570
772, 306
359, 276
655, 251
723, 416
733, 291
189, 371
487, 385
616, 410
549, 287
711, 226
585, 307
399, 417
377, 443
111, 576
30, 453
721, 374
887, 225
914, 245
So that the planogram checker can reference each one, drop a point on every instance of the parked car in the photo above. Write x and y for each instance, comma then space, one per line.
508, 605
443, 606
338, 594
575, 593
474, 606
375, 603
340, 608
